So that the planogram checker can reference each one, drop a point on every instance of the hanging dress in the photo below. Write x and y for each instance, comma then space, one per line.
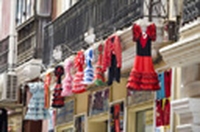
78, 85
47, 83
112, 58
143, 75
58, 100
67, 81
89, 70
36, 107
99, 75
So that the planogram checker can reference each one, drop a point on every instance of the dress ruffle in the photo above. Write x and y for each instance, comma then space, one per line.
58, 100
68, 80
78, 85
143, 76
99, 73
36, 106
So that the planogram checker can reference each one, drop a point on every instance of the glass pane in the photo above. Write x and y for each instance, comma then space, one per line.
144, 121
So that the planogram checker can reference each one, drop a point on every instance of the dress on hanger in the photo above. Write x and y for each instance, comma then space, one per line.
89, 71
47, 83
36, 109
143, 75
99, 75
58, 100
68, 80
112, 58
159, 113
78, 86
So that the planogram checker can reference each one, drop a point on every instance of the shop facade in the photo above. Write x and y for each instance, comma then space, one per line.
183, 57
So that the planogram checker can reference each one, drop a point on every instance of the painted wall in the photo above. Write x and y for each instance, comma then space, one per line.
5, 7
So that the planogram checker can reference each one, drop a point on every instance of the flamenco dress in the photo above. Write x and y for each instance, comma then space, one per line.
143, 75
99, 74
58, 100
89, 71
78, 85
67, 82
36, 106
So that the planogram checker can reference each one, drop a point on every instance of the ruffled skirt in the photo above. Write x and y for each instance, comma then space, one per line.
143, 75
78, 86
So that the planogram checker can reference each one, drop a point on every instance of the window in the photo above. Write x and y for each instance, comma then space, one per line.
67, 4
144, 121
24, 10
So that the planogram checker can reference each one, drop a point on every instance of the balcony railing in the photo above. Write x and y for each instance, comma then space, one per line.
4, 44
104, 16
191, 10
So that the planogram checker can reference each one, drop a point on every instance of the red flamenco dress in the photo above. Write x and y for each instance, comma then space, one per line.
78, 85
58, 100
99, 74
143, 75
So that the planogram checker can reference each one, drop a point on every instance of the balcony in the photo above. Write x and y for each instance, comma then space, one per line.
104, 16
191, 10
4, 54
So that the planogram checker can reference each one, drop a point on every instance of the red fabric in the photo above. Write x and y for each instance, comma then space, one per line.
167, 112
78, 86
58, 100
159, 113
167, 76
47, 82
151, 32
117, 117
136, 30
99, 69
143, 75
112, 47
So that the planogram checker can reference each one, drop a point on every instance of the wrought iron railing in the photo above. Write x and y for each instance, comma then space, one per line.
191, 10
4, 44
26, 49
104, 16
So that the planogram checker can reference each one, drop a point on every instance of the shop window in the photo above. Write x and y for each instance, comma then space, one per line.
117, 120
66, 113
79, 123
144, 121
98, 102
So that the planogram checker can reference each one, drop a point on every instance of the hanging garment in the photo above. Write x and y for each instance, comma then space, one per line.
143, 75
117, 117
58, 100
67, 82
168, 83
89, 71
78, 86
167, 112
47, 83
99, 75
3, 120
112, 58
160, 94
36, 109
159, 113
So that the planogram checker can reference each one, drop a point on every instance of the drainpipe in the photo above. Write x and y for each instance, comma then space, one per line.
12, 53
